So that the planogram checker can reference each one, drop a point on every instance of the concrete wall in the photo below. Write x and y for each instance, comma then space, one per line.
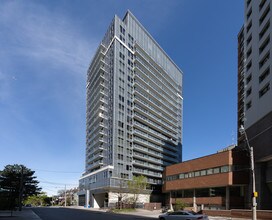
143, 198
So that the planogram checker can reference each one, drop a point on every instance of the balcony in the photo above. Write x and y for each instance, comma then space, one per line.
154, 146
146, 172
161, 71
145, 115
96, 164
159, 111
153, 153
156, 88
147, 158
167, 108
147, 165
151, 131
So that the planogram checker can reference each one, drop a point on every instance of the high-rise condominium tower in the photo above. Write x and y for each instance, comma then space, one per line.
255, 93
134, 114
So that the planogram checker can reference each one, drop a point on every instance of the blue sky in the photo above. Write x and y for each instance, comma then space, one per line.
46, 47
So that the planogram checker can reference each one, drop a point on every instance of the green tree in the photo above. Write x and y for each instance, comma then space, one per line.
179, 205
137, 185
20, 182
38, 200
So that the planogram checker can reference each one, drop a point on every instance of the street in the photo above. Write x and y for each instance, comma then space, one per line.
77, 214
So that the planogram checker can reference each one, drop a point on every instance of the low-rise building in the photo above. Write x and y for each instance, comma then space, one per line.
217, 181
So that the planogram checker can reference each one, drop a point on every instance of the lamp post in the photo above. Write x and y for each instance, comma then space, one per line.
254, 193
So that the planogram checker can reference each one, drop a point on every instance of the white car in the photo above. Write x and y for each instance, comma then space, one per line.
182, 215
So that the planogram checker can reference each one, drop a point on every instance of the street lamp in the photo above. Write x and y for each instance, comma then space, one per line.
254, 193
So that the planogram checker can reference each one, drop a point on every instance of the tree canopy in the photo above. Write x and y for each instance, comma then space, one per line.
18, 182
137, 185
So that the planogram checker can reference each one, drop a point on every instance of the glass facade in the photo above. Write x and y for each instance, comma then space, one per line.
134, 108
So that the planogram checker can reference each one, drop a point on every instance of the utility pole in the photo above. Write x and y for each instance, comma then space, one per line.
254, 193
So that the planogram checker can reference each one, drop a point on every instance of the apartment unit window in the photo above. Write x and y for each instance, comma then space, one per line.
122, 30
264, 15
248, 79
249, 26
248, 105
249, 65
249, 52
261, 4
248, 92
249, 13
265, 43
264, 74
122, 38
264, 60
264, 90
120, 156
122, 56
249, 39
264, 30
248, 2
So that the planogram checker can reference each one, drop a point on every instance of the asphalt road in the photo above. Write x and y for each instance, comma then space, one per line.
77, 214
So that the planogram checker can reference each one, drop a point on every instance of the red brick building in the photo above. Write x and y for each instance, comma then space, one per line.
217, 181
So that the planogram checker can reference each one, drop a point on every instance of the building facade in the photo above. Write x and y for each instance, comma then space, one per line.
217, 181
134, 114
255, 93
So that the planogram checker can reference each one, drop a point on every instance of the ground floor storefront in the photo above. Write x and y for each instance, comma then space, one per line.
214, 198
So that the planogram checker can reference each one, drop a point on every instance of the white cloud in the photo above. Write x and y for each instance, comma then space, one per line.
35, 33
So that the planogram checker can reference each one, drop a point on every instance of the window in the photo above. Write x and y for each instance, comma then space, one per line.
264, 90
248, 66
249, 26
121, 98
265, 43
248, 79
249, 13
216, 170
248, 92
264, 74
122, 30
264, 60
249, 52
261, 4
209, 171
264, 15
130, 38
203, 172
248, 105
181, 176
197, 173
122, 38
120, 124
249, 39
224, 169
122, 56
120, 132
264, 30
120, 156
202, 192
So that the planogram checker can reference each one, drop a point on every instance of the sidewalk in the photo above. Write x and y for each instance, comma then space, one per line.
25, 214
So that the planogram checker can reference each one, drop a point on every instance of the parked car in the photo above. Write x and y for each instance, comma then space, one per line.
183, 215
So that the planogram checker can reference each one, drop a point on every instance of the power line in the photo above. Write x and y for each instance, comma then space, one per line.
55, 171
54, 183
